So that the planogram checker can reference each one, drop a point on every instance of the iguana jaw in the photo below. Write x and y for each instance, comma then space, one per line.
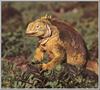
34, 34
30, 34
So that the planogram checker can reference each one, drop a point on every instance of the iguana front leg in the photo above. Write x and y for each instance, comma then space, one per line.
58, 54
38, 55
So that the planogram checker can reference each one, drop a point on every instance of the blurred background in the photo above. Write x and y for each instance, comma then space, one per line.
17, 48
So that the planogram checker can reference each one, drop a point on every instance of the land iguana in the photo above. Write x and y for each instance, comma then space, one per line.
59, 40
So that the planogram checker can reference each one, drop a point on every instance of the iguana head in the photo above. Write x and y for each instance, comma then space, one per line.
39, 27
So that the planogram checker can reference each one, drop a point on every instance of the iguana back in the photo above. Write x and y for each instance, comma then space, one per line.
72, 41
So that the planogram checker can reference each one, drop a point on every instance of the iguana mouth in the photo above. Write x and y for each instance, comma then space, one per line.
30, 34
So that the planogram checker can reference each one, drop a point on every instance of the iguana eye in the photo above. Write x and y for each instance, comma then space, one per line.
37, 26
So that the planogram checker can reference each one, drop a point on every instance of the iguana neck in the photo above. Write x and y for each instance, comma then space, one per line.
54, 33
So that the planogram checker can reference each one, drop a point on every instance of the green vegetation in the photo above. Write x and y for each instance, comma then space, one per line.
17, 48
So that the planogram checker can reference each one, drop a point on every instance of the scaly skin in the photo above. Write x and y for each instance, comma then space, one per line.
59, 40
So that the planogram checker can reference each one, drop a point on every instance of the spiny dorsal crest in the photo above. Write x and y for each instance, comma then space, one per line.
46, 17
